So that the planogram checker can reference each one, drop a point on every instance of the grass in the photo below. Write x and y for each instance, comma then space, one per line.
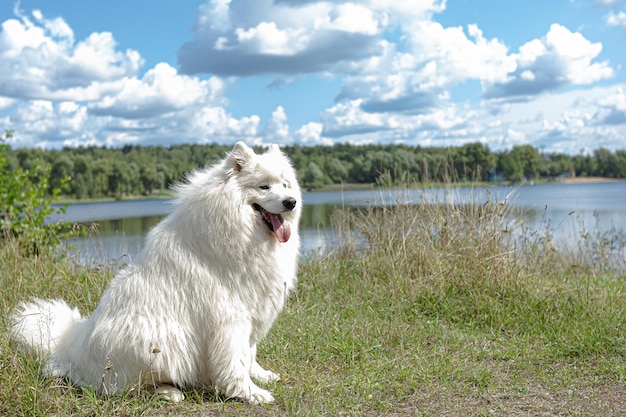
430, 310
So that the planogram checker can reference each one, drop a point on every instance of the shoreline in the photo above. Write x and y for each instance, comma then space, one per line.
587, 180
345, 187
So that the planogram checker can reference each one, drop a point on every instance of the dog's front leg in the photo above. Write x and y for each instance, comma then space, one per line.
231, 360
257, 372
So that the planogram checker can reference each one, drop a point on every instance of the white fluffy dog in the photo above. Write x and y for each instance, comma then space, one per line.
204, 290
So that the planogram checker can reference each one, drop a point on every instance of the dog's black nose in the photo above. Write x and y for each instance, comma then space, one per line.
289, 203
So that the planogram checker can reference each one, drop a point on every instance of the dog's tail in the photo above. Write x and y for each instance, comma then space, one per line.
40, 325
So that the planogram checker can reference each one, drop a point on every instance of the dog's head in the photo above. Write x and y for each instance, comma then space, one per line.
271, 188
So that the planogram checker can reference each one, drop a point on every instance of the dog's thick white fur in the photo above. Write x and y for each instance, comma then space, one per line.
204, 290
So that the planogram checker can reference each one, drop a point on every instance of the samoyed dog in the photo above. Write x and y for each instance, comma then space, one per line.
204, 290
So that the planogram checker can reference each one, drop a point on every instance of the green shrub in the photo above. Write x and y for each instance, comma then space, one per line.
26, 202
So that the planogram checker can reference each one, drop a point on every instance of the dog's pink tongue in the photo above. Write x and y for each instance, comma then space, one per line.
281, 230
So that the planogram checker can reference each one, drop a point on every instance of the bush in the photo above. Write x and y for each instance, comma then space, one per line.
26, 202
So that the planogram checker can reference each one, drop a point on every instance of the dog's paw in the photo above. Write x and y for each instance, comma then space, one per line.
257, 395
169, 393
264, 376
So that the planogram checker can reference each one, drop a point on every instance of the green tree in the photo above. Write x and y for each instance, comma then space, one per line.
511, 167
529, 158
313, 177
558, 164
84, 184
336, 170
475, 161
118, 178
607, 163
100, 171
585, 166
620, 164
62, 168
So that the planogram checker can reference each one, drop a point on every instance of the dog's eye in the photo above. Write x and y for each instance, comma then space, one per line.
264, 187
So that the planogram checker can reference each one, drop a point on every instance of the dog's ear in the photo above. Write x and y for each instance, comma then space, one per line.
240, 155
273, 148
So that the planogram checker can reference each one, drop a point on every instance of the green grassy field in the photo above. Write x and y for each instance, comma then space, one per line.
434, 310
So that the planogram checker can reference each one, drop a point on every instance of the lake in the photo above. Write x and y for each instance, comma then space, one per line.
565, 208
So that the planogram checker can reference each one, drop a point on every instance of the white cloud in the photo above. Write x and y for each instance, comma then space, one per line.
514, 137
419, 79
348, 118
268, 39
562, 122
44, 123
40, 60
209, 123
559, 59
65, 93
95, 58
161, 90
311, 134
244, 37
577, 54
612, 108
277, 130
616, 19
352, 18
460, 57
348, 121
5, 103
615, 100
437, 59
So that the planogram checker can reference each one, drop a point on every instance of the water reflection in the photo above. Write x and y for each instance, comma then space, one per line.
121, 239
561, 210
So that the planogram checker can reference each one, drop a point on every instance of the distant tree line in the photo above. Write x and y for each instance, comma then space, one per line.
144, 170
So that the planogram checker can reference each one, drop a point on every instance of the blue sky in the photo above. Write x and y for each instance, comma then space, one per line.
419, 72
